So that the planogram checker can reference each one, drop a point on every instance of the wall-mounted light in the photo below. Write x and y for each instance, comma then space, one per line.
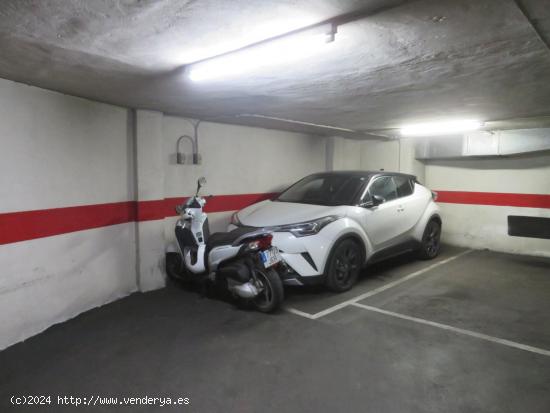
441, 128
281, 50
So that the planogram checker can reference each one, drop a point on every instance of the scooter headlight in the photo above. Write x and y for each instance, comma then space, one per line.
304, 229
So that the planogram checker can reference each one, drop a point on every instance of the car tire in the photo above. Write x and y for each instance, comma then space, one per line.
344, 266
431, 241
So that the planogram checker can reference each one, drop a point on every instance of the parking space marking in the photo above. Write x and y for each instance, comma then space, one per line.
375, 291
462, 331
298, 312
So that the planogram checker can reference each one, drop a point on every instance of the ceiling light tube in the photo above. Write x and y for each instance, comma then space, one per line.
281, 50
441, 128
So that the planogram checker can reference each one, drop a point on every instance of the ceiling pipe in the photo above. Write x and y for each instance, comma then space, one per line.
357, 135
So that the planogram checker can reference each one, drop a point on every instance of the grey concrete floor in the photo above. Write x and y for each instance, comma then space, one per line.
174, 343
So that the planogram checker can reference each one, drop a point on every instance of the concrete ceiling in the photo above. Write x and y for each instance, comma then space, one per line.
404, 61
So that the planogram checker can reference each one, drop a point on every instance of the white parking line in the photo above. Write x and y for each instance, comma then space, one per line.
457, 330
300, 313
375, 291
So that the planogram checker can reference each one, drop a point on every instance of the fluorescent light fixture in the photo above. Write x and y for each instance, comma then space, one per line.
441, 128
243, 37
282, 50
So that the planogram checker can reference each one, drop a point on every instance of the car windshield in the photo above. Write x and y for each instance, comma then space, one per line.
324, 190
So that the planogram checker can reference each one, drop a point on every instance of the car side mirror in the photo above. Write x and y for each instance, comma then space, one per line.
373, 202
377, 200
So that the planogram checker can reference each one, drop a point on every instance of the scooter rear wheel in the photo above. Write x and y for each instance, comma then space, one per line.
272, 294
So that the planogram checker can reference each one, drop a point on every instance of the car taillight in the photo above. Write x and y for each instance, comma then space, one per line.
262, 243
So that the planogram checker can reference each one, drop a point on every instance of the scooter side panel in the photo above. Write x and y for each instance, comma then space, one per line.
222, 253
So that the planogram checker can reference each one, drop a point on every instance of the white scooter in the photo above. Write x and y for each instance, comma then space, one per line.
242, 260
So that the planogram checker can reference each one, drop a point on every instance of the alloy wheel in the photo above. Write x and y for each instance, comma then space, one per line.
432, 239
346, 264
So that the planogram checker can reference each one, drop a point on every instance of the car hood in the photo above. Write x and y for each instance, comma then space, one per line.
269, 213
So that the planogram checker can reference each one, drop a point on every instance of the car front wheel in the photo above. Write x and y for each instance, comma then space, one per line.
344, 266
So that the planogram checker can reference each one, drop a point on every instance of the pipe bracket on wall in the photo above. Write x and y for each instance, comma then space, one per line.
194, 158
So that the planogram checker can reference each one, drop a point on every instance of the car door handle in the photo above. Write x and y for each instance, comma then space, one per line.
400, 209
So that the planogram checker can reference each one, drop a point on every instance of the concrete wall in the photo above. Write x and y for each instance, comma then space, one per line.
346, 154
484, 226
59, 151
391, 156
396, 155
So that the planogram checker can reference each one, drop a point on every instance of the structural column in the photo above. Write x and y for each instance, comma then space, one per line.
150, 191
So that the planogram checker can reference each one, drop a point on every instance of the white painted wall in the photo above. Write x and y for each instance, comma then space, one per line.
346, 154
479, 226
239, 159
59, 151
397, 156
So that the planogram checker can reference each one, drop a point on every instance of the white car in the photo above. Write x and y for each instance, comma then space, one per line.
329, 225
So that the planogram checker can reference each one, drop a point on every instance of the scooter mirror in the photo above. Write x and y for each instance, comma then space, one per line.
200, 182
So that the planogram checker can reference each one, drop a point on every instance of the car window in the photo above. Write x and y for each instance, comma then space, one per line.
324, 190
404, 185
384, 187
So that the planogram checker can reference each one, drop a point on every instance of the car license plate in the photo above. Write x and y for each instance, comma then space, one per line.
270, 257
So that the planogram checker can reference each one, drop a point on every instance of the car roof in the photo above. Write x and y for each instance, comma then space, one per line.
361, 173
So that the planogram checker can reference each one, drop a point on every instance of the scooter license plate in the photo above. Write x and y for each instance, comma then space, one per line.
270, 257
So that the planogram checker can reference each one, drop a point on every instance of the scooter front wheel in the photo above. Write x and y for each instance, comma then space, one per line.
175, 268
271, 289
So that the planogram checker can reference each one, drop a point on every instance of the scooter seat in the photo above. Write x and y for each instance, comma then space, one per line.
227, 238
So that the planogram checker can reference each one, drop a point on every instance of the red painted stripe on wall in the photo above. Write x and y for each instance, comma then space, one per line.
159, 209
220, 203
494, 198
27, 225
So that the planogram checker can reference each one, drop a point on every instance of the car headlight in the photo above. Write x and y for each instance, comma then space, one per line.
235, 219
304, 229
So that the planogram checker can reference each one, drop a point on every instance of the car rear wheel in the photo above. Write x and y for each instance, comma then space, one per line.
431, 241
344, 266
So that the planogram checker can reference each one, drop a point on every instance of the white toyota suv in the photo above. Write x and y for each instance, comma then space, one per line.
329, 225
